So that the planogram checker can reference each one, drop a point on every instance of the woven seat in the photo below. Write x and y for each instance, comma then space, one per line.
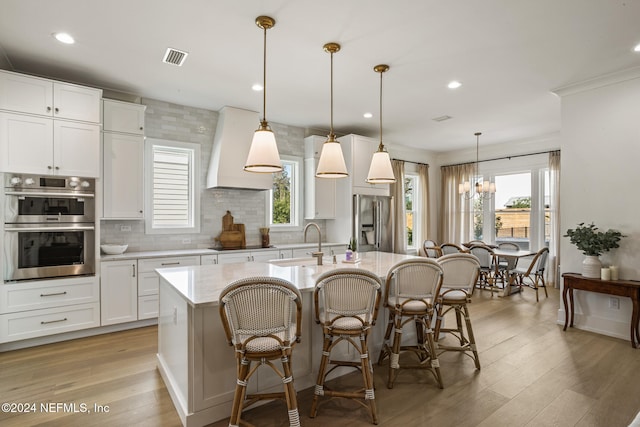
261, 318
411, 289
346, 304
460, 273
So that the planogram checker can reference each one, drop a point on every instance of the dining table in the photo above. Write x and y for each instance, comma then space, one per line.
511, 254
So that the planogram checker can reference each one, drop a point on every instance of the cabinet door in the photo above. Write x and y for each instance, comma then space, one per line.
75, 102
122, 176
262, 256
76, 149
118, 292
208, 259
123, 117
26, 94
26, 144
234, 257
320, 194
363, 149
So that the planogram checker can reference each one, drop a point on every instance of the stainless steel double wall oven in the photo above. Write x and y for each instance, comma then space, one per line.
49, 227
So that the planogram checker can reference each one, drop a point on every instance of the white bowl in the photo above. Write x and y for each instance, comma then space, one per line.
113, 249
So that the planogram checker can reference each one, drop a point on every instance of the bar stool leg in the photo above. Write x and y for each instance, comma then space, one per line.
394, 357
319, 390
367, 375
472, 338
290, 393
385, 351
241, 389
435, 363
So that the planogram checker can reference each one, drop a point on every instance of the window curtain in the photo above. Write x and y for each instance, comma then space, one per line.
456, 212
425, 212
554, 210
397, 191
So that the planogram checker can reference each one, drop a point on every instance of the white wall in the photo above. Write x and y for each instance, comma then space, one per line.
600, 175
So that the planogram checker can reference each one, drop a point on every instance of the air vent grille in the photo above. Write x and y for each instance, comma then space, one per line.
174, 56
441, 118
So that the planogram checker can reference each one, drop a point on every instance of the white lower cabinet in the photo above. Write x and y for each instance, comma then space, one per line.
47, 307
118, 292
255, 256
208, 259
148, 281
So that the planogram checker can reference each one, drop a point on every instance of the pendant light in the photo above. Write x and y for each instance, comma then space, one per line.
380, 171
263, 155
331, 163
482, 189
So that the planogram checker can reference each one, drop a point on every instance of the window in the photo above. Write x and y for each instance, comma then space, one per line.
284, 199
518, 212
172, 187
411, 192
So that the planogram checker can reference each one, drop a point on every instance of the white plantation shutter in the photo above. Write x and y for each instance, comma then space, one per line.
172, 196
172, 186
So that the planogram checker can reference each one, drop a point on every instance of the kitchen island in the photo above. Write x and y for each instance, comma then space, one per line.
197, 365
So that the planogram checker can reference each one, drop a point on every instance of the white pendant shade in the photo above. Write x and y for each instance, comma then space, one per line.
331, 163
263, 155
380, 171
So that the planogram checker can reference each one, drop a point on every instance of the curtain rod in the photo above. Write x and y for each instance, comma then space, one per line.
502, 158
409, 161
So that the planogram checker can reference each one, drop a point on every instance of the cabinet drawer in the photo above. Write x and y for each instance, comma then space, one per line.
37, 323
148, 283
47, 294
148, 307
149, 265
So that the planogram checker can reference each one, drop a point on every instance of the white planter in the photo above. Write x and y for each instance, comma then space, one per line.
591, 266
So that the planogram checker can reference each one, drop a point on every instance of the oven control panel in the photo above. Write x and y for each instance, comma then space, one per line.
52, 183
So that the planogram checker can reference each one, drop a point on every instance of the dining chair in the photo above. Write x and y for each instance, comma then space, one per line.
411, 289
346, 302
460, 272
431, 249
506, 265
258, 315
533, 276
488, 269
451, 248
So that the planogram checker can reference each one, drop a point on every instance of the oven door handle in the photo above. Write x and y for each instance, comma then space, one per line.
46, 194
56, 228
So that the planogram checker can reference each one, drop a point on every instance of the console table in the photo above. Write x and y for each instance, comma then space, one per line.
622, 288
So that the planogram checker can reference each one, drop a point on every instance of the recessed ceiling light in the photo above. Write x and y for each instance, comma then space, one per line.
454, 84
257, 87
64, 38
637, 48
367, 115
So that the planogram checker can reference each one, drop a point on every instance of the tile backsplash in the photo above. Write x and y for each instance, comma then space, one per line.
175, 122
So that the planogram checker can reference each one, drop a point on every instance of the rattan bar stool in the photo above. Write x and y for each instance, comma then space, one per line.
346, 304
460, 273
411, 289
261, 317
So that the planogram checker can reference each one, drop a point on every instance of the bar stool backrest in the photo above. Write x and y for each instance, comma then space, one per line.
459, 271
348, 292
413, 278
260, 307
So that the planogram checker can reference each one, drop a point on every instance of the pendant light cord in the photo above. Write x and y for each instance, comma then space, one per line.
264, 77
380, 147
331, 118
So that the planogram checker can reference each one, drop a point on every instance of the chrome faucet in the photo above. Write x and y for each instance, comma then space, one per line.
318, 254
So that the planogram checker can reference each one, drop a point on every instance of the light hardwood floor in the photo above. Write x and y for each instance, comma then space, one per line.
533, 374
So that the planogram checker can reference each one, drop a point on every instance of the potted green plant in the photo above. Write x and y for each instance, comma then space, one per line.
593, 243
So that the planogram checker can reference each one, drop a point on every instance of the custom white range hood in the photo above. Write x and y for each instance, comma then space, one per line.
231, 144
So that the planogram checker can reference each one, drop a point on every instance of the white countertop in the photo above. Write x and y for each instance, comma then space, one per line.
201, 285
187, 252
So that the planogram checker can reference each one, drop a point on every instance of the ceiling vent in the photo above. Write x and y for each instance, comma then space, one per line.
174, 56
441, 118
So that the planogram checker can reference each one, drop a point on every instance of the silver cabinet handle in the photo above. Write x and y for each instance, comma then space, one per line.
48, 109
53, 321
134, 270
54, 294
171, 263
57, 110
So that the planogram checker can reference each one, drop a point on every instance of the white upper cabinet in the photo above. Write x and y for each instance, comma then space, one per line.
320, 193
362, 150
44, 97
48, 127
37, 145
122, 160
123, 117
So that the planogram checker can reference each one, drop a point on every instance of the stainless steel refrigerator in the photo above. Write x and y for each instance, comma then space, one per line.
373, 223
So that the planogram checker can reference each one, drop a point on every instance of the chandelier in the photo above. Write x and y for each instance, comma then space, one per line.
482, 189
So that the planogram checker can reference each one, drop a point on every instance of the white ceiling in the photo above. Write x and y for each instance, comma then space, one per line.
509, 55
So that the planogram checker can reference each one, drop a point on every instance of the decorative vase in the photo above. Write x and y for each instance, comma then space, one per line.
591, 266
